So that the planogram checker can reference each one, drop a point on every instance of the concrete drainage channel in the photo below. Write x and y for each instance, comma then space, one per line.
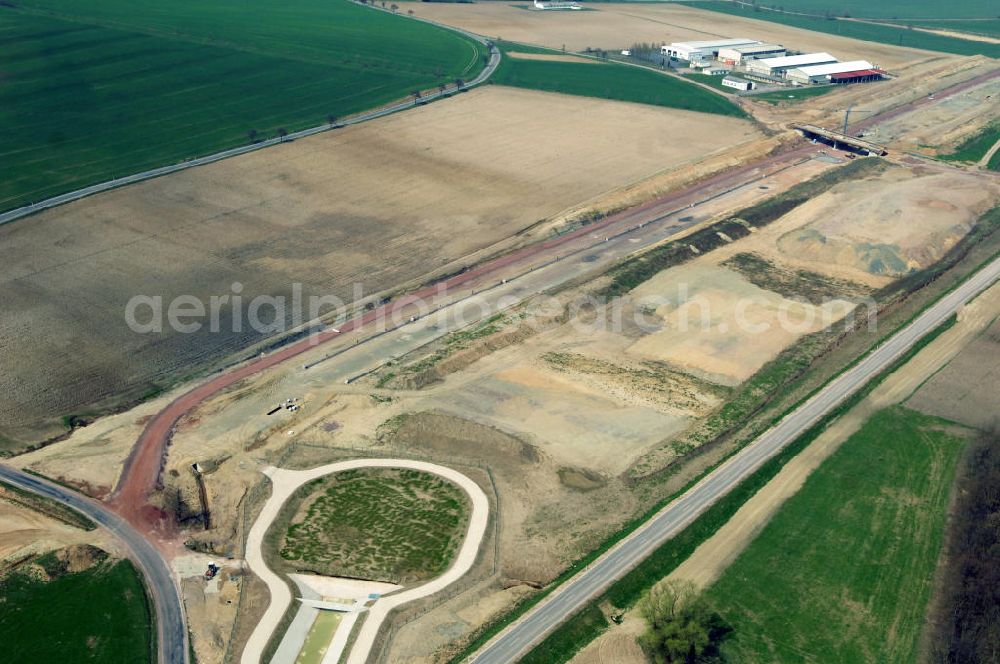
283, 484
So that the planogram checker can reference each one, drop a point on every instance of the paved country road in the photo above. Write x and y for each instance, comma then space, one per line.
17, 213
573, 595
171, 639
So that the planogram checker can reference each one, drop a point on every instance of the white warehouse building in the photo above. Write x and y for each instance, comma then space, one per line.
822, 73
737, 55
778, 66
737, 83
702, 50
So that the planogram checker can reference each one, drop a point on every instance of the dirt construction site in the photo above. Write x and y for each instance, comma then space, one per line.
572, 416
377, 206
561, 411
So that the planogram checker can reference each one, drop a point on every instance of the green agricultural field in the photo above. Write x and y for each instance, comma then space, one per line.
976, 146
793, 95
98, 615
93, 91
608, 80
401, 526
843, 572
884, 34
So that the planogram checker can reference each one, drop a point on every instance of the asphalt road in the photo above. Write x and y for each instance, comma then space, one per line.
62, 199
573, 595
172, 642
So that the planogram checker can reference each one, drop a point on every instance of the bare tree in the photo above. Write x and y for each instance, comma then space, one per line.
394, 7
416, 96
442, 87
282, 132
331, 119
459, 84
252, 135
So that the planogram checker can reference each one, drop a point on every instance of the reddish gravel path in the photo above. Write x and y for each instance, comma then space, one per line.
141, 474
923, 101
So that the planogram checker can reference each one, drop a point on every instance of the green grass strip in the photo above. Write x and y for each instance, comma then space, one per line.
976, 146
608, 80
585, 626
994, 163
47, 507
793, 95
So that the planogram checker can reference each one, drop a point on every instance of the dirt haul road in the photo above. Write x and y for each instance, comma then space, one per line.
141, 472
378, 207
